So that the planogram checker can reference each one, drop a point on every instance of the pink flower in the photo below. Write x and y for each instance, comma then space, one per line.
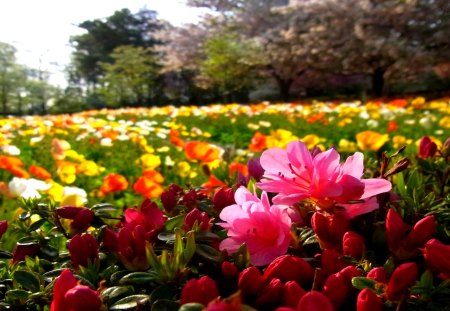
296, 175
264, 228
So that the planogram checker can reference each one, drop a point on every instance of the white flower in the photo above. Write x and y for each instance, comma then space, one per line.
11, 150
75, 191
27, 188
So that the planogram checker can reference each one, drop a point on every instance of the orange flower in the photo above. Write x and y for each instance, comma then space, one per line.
14, 166
113, 183
235, 167
40, 172
392, 126
175, 138
202, 151
398, 103
317, 117
112, 134
7, 162
258, 142
212, 184
149, 184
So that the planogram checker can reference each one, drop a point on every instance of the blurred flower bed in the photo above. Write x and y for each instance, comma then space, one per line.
299, 206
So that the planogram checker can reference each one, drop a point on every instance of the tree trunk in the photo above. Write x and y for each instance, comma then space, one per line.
284, 88
378, 81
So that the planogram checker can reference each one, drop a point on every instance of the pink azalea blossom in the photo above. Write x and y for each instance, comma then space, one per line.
296, 175
264, 228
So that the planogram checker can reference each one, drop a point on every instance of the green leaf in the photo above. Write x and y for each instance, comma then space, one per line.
164, 305
164, 292
166, 236
174, 222
37, 224
5, 255
115, 293
131, 302
24, 216
17, 294
137, 278
192, 306
209, 253
49, 276
27, 279
362, 282
117, 276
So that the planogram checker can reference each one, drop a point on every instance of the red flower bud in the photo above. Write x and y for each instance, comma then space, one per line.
395, 230
190, 199
250, 281
3, 227
110, 240
23, 250
427, 148
353, 245
403, 277
67, 295
330, 228
83, 249
132, 248
81, 217
222, 198
368, 301
271, 294
422, 231
82, 298
378, 274
313, 301
437, 257
331, 262
202, 291
289, 268
255, 169
338, 286
169, 200
292, 292
230, 271
202, 219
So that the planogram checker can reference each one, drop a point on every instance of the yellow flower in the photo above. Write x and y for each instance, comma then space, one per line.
370, 140
312, 140
90, 168
445, 122
67, 172
399, 141
418, 102
347, 145
280, 138
344, 122
74, 155
149, 161
56, 192
184, 170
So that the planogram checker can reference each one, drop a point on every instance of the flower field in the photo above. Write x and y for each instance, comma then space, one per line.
299, 206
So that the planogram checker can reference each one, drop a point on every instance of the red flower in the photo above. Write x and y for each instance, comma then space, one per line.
81, 217
23, 250
230, 271
314, 301
292, 293
68, 296
83, 249
148, 215
222, 198
403, 277
368, 301
289, 268
258, 142
437, 257
250, 281
427, 148
202, 219
392, 126
378, 274
271, 293
330, 228
353, 245
3, 227
339, 286
201, 290
132, 248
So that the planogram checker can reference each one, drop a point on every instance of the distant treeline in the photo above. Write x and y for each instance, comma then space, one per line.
244, 51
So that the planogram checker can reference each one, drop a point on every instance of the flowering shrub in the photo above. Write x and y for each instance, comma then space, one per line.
292, 228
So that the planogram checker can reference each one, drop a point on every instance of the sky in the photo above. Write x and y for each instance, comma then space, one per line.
40, 29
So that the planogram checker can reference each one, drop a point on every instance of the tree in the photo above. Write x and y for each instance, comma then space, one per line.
103, 36
131, 79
